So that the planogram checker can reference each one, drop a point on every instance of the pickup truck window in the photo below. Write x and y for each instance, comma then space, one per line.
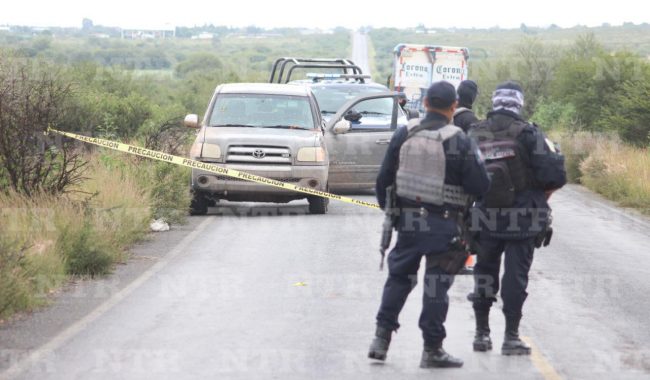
262, 111
330, 99
376, 115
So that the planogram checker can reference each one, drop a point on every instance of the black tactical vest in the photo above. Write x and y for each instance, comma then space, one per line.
506, 159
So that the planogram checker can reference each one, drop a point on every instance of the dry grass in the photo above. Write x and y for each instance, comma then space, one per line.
120, 202
46, 239
609, 167
29, 263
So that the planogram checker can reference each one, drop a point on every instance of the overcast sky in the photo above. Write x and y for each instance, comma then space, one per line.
322, 14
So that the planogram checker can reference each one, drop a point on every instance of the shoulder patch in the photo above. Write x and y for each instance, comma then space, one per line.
551, 145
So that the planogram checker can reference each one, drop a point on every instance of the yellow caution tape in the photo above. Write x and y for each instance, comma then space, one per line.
208, 167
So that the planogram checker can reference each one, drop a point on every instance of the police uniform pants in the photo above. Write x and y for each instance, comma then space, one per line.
403, 263
517, 263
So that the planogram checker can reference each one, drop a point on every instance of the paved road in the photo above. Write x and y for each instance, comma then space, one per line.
360, 51
259, 292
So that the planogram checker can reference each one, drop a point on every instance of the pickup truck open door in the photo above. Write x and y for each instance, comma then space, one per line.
357, 138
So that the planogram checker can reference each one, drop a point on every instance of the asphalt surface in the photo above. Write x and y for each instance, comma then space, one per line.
269, 292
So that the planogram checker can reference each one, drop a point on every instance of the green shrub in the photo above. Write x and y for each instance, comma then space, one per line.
199, 62
170, 197
85, 251
630, 113
552, 115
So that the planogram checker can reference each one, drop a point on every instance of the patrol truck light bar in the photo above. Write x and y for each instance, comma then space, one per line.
320, 76
290, 63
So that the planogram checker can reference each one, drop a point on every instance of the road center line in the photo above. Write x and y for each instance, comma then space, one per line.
540, 362
35, 356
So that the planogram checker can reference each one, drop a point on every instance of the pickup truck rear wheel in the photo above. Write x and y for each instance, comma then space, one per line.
318, 205
199, 204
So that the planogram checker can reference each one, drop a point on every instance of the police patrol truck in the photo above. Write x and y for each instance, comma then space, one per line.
415, 67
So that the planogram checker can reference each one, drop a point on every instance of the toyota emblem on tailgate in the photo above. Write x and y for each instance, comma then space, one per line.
259, 153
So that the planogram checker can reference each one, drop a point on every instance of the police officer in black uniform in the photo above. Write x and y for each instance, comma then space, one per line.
410, 113
426, 229
464, 117
525, 169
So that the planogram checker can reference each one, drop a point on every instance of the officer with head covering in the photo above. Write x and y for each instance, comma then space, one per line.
464, 117
403, 102
434, 168
525, 168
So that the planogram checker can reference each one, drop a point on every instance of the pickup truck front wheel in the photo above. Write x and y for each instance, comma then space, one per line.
318, 205
199, 204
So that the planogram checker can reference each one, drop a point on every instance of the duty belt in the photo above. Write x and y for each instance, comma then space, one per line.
424, 212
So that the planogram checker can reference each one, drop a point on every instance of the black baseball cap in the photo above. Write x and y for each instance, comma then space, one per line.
441, 95
467, 92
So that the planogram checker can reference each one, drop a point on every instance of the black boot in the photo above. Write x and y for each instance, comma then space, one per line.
436, 357
379, 345
482, 341
512, 344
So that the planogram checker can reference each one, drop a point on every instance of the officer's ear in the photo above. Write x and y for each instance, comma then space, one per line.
454, 106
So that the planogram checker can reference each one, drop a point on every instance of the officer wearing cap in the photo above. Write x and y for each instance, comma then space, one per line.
410, 113
434, 167
464, 117
524, 169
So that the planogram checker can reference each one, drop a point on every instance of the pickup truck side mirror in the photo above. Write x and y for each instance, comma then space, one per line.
341, 127
191, 121
412, 114
352, 115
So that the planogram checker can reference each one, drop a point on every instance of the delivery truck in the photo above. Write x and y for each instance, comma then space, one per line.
415, 67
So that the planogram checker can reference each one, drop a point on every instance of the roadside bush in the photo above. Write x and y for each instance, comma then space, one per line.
84, 251
629, 114
108, 102
110, 115
170, 196
15, 289
33, 98
198, 62
166, 132
591, 79
554, 115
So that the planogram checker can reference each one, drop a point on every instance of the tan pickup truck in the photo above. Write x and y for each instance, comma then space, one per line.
277, 131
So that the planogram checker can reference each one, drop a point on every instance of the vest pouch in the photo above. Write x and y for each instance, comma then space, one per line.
422, 168
502, 190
